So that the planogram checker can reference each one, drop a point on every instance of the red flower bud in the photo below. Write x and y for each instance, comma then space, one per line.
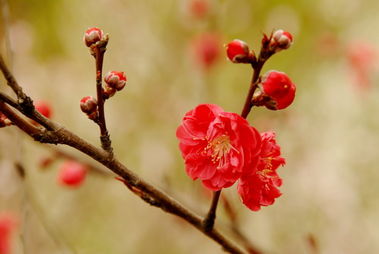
72, 173
88, 104
280, 40
43, 108
278, 87
115, 79
4, 121
92, 35
238, 51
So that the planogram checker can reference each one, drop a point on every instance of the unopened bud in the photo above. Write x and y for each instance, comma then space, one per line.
88, 104
115, 79
238, 52
4, 121
108, 92
278, 90
280, 40
92, 35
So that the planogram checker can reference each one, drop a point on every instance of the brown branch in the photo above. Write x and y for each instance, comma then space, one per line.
99, 51
233, 216
152, 195
211, 216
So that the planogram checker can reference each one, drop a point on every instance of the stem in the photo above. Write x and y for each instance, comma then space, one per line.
104, 135
209, 220
253, 86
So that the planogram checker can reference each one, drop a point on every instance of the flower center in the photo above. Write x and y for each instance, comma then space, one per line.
219, 148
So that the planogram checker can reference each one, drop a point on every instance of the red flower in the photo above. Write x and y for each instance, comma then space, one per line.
207, 49
199, 8
279, 88
7, 226
261, 187
217, 146
72, 173
43, 108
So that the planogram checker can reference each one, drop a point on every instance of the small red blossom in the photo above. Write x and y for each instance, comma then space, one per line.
198, 8
217, 146
207, 49
261, 187
8, 225
278, 87
115, 79
92, 35
280, 40
72, 173
362, 58
238, 51
43, 108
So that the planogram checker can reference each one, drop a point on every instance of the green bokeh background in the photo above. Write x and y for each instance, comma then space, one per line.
329, 136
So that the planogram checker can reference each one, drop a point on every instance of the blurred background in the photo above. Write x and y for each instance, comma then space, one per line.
173, 55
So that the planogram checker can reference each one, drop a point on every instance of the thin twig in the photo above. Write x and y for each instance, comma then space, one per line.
211, 216
99, 51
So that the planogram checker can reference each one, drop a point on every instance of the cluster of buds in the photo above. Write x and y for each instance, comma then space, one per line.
114, 81
238, 51
276, 91
72, 173
280, 40
95, 39
4, 121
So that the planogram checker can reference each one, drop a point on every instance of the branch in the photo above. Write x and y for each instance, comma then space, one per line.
99, 51
59, 135
211, 216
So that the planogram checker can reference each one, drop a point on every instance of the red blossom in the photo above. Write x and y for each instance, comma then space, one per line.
7, 226
72, 173
207, 49
362, 57
279, 88
199, 8
43, 108
217, 146
261, 187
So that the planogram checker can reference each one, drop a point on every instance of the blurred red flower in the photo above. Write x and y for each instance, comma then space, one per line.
207, 49
72, 173
217, 146
7, 226
261, 187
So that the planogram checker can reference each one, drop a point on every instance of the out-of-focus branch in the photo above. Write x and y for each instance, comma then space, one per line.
234, 221
54, 134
